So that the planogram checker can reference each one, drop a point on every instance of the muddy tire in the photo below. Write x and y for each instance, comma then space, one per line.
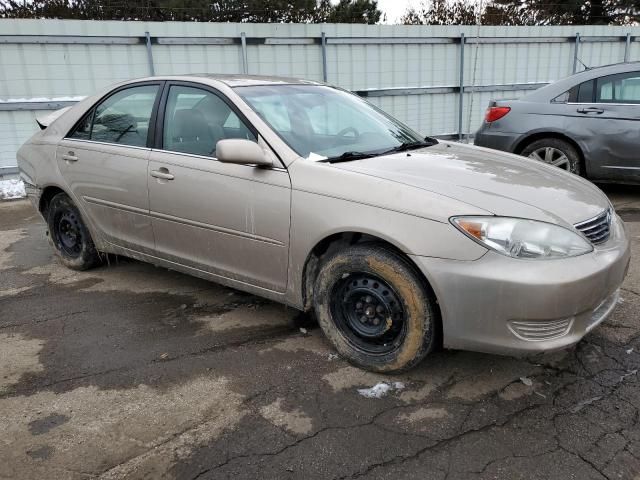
69, 235
375, 309
560, 153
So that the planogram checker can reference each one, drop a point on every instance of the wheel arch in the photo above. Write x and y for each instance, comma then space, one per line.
529, 139
47, 194
344, 239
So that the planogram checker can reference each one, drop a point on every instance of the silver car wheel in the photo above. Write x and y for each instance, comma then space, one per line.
552, 156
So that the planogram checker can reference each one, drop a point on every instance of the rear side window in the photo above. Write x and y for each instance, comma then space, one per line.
585, 92
122, 118
620, 88
562, 98
196, 119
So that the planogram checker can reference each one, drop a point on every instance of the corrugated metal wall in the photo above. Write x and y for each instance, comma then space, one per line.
359, 57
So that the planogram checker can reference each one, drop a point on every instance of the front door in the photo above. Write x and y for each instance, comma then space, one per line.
104, 162
229, 220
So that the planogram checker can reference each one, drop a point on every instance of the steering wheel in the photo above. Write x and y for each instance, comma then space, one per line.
344, 131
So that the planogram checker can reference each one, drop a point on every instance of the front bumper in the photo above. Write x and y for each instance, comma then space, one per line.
508, 306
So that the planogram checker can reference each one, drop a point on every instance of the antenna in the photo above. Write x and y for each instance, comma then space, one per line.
583, 64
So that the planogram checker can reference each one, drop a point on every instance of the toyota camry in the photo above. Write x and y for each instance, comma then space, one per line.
306, 194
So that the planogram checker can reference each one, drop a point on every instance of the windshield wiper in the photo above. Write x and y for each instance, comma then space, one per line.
349, 156
403, 147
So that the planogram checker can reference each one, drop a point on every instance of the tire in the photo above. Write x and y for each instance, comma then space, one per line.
379, 289
69, 235
572, 164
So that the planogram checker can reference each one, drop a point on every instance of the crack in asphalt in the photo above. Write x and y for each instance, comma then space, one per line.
63, 316
440, 445
589, 390
178, 434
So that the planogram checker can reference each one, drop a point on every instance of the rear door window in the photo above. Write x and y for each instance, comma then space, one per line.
620, 88
585, 92
124, 117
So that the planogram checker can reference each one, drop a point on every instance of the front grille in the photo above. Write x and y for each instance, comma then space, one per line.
597, 229
539, 331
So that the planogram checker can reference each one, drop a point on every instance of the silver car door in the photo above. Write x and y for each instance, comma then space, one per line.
228, 220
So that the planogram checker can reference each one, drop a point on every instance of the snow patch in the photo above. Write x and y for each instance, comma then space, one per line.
527, 381
381, 389
11, 189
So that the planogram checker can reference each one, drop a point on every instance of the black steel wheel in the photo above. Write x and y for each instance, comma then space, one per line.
369, 313
68, 232
69, 235
375, 308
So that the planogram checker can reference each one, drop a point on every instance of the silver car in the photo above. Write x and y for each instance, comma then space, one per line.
586, 124
308, 195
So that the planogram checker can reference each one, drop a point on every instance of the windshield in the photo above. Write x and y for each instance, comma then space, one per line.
322, 122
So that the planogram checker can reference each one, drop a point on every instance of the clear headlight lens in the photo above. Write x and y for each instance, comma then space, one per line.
521, 238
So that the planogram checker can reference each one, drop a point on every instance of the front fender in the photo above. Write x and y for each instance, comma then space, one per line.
315, 217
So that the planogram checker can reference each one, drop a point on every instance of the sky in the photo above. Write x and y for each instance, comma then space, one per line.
396, 8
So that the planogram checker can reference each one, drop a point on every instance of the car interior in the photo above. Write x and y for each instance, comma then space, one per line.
196, 128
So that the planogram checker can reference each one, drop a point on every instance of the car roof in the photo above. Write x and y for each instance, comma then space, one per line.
232, 80
554, 89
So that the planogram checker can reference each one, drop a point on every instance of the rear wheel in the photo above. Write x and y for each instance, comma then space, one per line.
556, 152
375, 309
69, 235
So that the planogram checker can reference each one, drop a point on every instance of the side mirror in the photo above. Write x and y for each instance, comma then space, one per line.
241, 151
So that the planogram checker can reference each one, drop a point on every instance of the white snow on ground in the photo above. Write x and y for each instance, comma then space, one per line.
10, 189
381, 389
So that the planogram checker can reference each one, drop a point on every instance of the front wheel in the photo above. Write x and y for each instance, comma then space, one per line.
555, 152
69, 235
374, 307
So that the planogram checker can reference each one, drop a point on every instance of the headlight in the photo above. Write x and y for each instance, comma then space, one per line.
521, 238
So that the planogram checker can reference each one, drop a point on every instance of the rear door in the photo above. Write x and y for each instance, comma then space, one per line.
605, 117
229, 220
104, 161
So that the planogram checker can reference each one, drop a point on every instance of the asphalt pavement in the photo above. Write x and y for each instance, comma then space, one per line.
132, 371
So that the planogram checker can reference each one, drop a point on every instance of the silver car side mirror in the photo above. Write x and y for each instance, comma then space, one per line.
241, 151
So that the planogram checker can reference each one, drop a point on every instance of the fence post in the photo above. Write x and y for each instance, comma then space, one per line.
575, 53
149, 54
461, 98
627, 47
243, 41
324, 57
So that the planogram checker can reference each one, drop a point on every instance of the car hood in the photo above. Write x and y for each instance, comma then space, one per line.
496, 182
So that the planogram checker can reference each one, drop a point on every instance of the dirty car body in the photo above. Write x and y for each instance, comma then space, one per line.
307, 195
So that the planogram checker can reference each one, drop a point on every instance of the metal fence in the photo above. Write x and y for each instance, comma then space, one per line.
436, 79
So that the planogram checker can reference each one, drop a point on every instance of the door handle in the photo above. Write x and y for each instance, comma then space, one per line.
163, 174
70, 157
595, 110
